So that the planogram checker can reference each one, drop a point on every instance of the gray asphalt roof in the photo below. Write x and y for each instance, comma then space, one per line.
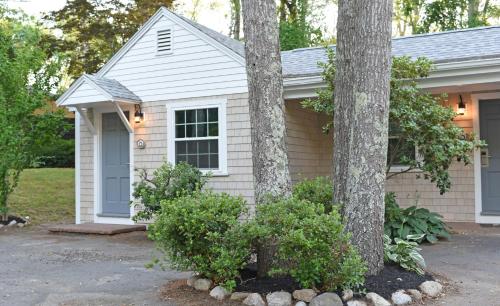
114, 88
451, 46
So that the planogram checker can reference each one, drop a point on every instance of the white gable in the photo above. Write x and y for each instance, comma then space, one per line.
196, 66
83, 93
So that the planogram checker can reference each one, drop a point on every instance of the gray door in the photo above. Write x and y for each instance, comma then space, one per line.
489, 122
115, 167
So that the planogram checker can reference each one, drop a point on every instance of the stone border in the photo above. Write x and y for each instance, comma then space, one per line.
304, 297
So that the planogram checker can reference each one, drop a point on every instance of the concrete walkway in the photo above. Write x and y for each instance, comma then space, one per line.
38, 268
471, 262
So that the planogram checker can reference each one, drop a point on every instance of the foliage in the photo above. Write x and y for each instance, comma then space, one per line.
59, 153
405, 253
201, 232
417, 118
295, 26
27, 77
399, 223
317, 190
168, 182
312, 244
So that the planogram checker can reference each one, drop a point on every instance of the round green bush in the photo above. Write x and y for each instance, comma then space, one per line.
317, 190
202, 232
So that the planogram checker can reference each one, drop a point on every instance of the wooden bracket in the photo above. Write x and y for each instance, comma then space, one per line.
86, 119
124, 118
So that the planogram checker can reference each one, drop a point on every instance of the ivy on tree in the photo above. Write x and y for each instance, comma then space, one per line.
420, 118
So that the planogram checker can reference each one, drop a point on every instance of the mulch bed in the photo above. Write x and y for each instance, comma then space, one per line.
10, 218
179, 293
250, 283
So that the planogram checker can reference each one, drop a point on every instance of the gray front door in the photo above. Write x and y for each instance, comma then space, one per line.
115, 167
489, 125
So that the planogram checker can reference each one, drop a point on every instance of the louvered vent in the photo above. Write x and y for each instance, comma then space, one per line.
164, 45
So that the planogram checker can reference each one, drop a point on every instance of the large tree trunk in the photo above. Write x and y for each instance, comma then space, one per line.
265, 90
361, 122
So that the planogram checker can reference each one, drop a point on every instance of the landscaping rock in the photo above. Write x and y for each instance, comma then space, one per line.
326, 299
254, 299
431, 288
347, 295
301, 303
202, 284
239, 296
415, 294
377, 300
219, 293
400, 298
305, 295
1, 225
356, 303
279, 298
190, 281
12, 223
20, 225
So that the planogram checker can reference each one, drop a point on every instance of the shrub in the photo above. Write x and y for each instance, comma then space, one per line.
60, 153
399, 223
317, 190
312, 244
168, 182
405, 253
201, 232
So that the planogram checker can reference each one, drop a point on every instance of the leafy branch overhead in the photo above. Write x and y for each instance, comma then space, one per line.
417, 120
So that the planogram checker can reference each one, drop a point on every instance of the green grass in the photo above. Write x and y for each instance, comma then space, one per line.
45, 195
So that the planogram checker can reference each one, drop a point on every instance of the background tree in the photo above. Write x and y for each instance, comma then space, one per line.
265, 98
362, 83
27, 77
235, 24
295, 25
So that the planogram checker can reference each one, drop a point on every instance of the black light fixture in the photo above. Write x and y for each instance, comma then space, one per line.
138, 116
461, 106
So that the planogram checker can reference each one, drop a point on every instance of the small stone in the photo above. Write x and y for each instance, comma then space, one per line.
1, 225
12, 223
301, 303
254, 299
279, 298
239, 296
415, 294
202, 284
20, 225
347, 295
219, 293
356, 303
377, 300
431, 288
305, 295
190, 281
400, 298
326, 299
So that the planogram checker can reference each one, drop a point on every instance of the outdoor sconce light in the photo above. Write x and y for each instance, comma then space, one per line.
461, 106
139, 115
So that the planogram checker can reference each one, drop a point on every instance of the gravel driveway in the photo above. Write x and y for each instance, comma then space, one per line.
38, 268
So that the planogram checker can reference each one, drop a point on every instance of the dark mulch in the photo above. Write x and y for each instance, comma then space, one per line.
250, 283
392, 278
178, 293
10, 218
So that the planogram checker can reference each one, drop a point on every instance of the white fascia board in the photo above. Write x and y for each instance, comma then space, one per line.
71, 89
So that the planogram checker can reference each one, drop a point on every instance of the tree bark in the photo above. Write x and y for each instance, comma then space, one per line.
265, 94
361, 122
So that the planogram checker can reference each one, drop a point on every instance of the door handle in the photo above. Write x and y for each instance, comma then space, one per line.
485, 157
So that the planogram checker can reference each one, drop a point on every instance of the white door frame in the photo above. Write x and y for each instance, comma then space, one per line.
477, 159
98, 167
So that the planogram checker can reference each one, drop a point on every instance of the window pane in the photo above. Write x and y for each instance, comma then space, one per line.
180, 158
213, 129
213, 114
192, 147
180, 131
190, 130
214, 161
191, 116
202, 130
400, 151
203, 161
180, 117
193, 160
201, 115
203, 146
214, 146
180, 147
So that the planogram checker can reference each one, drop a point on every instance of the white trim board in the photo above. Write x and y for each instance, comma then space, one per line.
77, 170
477, 160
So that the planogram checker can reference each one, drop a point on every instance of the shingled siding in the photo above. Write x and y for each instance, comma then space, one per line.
86, 174
239, 159
309, 149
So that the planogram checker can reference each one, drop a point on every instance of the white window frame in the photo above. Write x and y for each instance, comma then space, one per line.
403, 168
172, 107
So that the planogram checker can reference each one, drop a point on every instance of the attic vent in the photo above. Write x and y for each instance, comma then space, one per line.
164, 43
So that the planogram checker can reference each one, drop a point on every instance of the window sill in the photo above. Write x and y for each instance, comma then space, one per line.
396, 169
214, 173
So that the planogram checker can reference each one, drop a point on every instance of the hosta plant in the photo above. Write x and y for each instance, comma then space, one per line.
405, 253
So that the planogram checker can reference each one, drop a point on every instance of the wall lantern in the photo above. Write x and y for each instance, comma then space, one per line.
139, 115
461, 106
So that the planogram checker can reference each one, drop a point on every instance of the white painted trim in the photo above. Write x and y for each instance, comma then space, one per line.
77, 170
70, 91
477, 160
124, 119
98, 169
86, 119
221, 104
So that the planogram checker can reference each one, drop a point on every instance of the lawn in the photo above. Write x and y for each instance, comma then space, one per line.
45, 195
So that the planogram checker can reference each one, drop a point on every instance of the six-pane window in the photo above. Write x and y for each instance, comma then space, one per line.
197, 137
